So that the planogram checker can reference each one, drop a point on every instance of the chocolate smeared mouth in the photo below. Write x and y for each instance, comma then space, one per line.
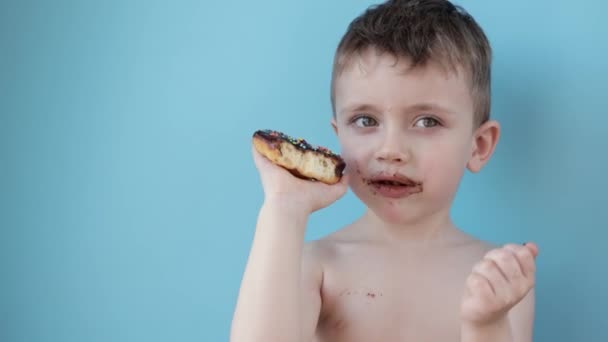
396, 186
388, 182
392, 181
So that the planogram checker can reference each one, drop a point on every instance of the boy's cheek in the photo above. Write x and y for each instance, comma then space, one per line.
354, 170
441, 175
356, 174
354, 157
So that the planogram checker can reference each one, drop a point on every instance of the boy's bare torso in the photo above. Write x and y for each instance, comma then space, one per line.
380, 291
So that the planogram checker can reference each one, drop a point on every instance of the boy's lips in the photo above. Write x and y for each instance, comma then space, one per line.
394, 186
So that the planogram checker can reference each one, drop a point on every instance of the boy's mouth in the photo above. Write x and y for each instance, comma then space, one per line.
395, 186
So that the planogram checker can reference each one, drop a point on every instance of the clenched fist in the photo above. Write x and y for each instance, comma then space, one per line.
499, 281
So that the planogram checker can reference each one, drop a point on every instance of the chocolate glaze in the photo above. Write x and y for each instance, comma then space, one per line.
276, 137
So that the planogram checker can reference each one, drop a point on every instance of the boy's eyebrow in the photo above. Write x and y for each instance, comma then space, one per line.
359, 107
428, 107
418, 107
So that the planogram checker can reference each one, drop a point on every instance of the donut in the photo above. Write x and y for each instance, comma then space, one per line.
315, 163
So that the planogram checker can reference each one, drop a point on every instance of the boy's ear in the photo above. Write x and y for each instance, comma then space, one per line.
484, 143
334, 125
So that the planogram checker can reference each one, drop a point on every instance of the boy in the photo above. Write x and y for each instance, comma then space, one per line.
411, 101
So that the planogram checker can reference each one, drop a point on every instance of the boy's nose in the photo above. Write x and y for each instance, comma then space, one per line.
389, 156
392, 151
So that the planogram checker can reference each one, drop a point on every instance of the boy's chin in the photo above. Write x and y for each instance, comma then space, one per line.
397, 215
392, 211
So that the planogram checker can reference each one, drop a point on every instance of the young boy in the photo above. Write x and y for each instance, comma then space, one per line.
411, 101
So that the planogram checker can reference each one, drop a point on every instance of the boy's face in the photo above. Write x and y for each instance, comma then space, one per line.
406, 135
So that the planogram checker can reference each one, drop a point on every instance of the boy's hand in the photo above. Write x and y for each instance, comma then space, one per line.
499, 281
282, 187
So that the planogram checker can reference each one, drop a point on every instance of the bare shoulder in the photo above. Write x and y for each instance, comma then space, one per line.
318, 252
324, 248
481, 245
473, 249
315, 254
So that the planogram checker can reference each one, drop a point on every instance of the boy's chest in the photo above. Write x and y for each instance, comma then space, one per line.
387, 301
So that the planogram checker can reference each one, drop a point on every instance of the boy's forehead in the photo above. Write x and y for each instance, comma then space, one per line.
361, 64
384, 77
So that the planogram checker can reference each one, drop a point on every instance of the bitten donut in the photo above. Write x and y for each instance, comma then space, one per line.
299, 157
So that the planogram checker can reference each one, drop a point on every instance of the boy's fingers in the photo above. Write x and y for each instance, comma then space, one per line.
478, 284
336, 190
492, 273
532, 247
506, 261
525, 258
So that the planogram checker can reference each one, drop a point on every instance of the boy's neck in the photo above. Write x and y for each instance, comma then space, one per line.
437, 229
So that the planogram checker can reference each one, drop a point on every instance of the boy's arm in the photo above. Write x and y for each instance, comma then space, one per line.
279, 298
521, 318
280, 293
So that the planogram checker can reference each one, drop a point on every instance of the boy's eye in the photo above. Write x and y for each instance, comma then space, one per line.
364, 121
427, 122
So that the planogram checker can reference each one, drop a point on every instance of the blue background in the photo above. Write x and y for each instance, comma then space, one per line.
129, 197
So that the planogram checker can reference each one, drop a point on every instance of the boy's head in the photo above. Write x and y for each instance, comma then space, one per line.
411, 101
422, 31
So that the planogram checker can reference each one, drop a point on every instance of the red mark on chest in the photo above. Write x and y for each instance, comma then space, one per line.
368, 294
